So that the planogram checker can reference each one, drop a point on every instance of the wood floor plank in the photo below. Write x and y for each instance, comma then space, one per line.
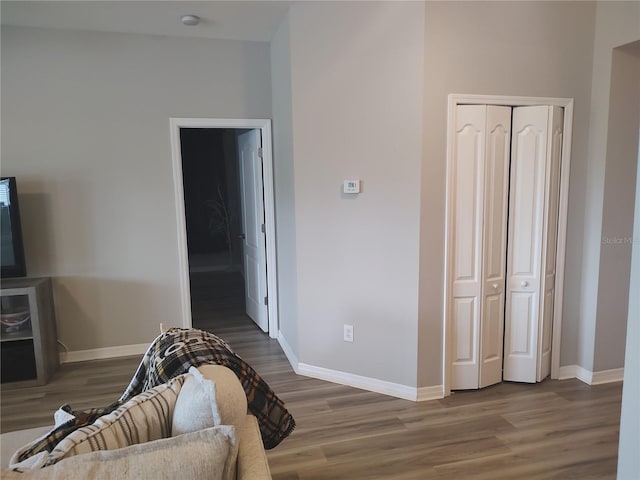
552, 430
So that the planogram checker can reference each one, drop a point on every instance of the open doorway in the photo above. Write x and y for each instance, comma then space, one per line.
224, 205
211, 199
213, 215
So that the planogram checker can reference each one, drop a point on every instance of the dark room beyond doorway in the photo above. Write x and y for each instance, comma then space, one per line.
213, 224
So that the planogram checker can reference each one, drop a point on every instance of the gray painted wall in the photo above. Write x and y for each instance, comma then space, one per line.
85, 128
618, 208
283, 133
617, 23
356, 96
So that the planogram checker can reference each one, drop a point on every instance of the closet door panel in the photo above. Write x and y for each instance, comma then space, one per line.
465, 365
520, 338
492, 340
496, 190
466, 195
466, 202
526, 215
549, 247
544, 340
528, 160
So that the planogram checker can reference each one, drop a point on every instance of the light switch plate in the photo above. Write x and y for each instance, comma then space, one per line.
351, 186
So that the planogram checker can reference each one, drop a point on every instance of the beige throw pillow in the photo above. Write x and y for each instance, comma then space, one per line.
144, 418
206, 454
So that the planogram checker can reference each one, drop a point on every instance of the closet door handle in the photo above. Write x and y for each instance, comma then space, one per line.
524, 284
495, 286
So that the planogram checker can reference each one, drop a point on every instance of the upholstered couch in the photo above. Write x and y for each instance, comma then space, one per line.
194, 427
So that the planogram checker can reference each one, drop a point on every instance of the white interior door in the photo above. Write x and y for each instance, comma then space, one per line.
485, 311
503, 282
466, 261
479, 200
496, 200
526, 232
254, 248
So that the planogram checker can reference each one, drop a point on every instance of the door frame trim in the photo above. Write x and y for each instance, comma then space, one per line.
453, 100
264, 125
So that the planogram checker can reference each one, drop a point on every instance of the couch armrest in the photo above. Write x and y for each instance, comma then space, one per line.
252, 459
12, 441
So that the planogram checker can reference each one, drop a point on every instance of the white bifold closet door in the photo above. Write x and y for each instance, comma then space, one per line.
479, 203
497, 273
533, 232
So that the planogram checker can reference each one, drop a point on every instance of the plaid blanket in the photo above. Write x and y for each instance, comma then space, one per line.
48, 442
169, 355
173, 352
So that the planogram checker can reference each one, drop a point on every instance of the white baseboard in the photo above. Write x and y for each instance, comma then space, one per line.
583, 374
430, 393
567, 372
607, 376
288, 351
589, 377
358, 381
102, 353
371, 384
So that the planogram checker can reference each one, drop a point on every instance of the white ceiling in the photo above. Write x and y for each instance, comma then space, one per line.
236, 20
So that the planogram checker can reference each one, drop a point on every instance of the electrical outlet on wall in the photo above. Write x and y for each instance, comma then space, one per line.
348, 333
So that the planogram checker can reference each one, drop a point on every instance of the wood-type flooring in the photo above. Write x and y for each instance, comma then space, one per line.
552, 430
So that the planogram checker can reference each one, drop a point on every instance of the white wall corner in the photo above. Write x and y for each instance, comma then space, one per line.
583, 374
567, 372
575, 371
288, 351
103, 353
434, 392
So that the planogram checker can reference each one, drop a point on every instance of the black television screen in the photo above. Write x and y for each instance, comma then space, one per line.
11, 249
